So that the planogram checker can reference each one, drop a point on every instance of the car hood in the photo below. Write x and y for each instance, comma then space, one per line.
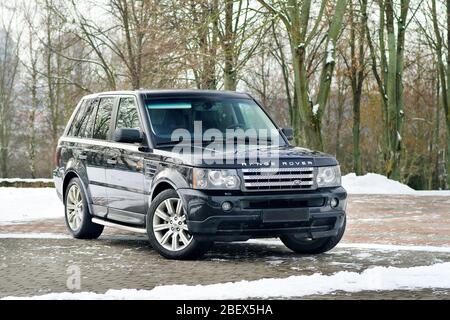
248, 157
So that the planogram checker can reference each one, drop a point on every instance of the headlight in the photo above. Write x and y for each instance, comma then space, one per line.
329, 177
215, 179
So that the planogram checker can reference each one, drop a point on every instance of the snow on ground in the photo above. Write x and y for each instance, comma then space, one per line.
373, 279
392, 247
14, 180
372, 246
25, 204
373, 183
43, 235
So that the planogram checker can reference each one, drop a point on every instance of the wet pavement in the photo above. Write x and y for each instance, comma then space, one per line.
119, 260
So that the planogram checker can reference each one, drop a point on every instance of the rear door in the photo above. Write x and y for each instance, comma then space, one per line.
94, 159
100, 134
125, 169
89, 155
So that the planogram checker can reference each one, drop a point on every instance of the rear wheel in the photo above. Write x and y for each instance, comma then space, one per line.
313, 246
77, 215
167, 228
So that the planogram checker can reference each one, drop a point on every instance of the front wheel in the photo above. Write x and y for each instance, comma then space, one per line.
167, 228
313, 246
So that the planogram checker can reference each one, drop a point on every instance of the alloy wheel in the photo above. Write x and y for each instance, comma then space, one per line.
169, 225
74, 207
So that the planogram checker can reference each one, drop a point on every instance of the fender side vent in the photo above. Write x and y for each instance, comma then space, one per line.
150, 169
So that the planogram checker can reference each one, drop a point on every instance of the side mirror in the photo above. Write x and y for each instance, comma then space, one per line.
128, 135
289, 133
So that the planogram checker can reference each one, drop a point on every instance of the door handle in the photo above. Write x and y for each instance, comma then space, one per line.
111, 161
82, 155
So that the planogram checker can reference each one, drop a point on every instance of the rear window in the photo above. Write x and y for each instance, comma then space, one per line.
87, 126
82, 123
103, 118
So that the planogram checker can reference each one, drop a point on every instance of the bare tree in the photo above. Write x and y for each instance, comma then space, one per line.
241, 32
390, 78
356, 66
438, 44
199, 23
9, 65
296, 18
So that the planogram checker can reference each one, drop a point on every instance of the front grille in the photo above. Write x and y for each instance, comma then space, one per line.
301, 178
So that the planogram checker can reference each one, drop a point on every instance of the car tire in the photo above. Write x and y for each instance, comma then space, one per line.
315, 246
76, 212
167, 229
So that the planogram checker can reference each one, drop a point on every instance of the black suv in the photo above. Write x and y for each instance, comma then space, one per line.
163, 163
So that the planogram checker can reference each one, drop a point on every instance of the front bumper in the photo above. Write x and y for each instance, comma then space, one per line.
253, 215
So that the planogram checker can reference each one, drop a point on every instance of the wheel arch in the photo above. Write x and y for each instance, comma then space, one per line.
71, 174
160, 186
168, 178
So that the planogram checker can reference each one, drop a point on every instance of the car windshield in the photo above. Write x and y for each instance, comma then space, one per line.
219, 118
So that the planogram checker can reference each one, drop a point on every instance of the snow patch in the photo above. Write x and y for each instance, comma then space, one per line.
15, 180
374, 279
27, 204
315, 109
44, 235
393, 247
373, 183
371, 246
330, 53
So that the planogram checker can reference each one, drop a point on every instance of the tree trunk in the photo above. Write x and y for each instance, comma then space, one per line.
340, 114
34, 106
4, 162
303, 110
229, 68
285, 72
395, 48
357, 78
311, 114
392, 165
446, 106
356, 134
208, 48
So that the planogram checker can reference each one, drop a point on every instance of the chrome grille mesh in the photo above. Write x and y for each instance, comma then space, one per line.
300, 178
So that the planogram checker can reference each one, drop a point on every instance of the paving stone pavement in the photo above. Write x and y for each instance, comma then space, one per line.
121, 260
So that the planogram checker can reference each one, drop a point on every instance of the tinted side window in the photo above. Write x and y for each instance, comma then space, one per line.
88, 124
127, 116
103, 118
78, 120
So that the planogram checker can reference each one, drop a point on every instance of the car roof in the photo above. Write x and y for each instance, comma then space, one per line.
167, 93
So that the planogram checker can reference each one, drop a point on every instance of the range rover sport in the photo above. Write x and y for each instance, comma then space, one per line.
143, 161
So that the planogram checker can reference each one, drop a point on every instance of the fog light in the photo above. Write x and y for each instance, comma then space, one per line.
334, 202
226, 206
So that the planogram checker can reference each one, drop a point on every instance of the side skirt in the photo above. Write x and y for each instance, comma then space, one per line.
118, 226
